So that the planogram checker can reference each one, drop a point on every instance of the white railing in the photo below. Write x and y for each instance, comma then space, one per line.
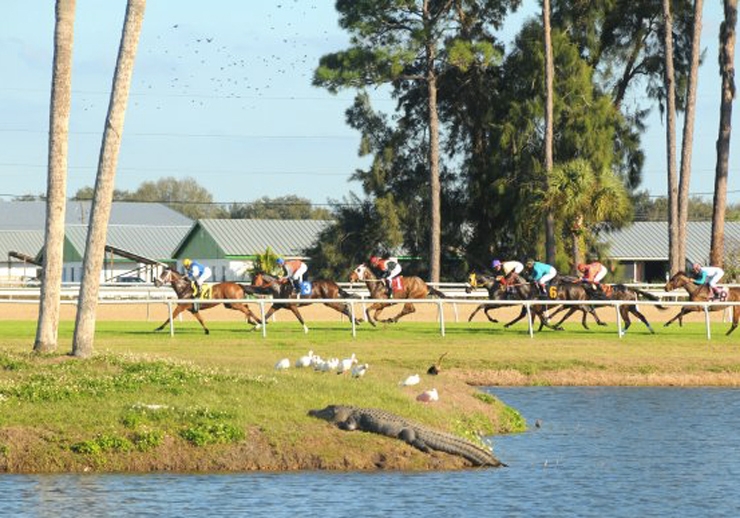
358, 307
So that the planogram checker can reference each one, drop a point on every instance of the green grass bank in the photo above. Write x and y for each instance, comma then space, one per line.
150, 402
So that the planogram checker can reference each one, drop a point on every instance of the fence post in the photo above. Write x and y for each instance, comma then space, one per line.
262, 318
619, 321
529, 319
352, 317
441, 314
172, 324
706, 321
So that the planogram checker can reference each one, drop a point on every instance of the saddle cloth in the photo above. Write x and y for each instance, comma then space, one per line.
397, 283
206, 291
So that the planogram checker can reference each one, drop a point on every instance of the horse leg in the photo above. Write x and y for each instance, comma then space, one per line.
179, 309
678, 316
269, 313
343, 309
475, 311
638, 314
247, 312
490, 318
571, 310
202, 323
522, 314
735, 318
297, 314
408, 308
592, 311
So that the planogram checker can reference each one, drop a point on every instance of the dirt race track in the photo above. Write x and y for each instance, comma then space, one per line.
156, 313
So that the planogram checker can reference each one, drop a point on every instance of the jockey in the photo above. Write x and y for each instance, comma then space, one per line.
593, 273
293, 270
387, 269
540, 273
507, 267
708, 275
197, 273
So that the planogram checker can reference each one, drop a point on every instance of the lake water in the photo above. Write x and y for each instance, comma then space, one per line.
597, 452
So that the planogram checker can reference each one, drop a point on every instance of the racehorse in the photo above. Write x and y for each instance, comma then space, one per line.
265, 284
620, 292
559, 289
702, 293
406, 287
184, 290
497, 290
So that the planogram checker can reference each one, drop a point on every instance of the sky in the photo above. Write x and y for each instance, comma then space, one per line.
222, 93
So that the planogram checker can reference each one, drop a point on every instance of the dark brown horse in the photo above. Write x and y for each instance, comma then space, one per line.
559, 289
184, 290
265, 284
702, 293
409, 287
499, 290
610, 292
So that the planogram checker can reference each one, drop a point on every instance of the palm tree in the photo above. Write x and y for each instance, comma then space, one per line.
670, 94
688, 133
727, 71
549, 92
103, 197
56, 190
579, 196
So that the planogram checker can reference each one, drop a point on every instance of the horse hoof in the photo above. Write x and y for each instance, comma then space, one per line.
208, 332
603, 323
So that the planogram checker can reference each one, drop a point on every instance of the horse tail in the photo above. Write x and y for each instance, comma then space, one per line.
436, 293
646, 294
347, 295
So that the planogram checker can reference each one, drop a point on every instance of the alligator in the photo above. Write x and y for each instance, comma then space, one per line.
417, 435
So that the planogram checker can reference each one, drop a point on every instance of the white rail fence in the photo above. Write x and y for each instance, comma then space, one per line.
358, 307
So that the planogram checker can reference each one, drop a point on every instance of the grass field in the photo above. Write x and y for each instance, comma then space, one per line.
149, 401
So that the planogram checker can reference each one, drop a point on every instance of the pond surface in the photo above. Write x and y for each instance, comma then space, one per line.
597, 452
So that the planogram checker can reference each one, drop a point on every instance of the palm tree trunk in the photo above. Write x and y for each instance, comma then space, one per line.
727, 37
82, 345
56, 190
670, 88
435, 237
687, 143
550, 249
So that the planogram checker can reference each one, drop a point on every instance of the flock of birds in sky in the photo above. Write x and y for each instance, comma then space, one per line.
355, 369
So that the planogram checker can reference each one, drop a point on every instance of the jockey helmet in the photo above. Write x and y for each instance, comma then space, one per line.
530, 263
696, 267
581, 267
496, 263
280, 261
187, 263
374, 260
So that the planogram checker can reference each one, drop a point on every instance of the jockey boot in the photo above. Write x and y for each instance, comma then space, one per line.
196, 291
543, 290
296, 286
389, 288
716, 293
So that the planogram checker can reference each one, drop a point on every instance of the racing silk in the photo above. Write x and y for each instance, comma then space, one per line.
294, 269
389, 268
542, 272
512, 266
196, 270
709, 275
594, 272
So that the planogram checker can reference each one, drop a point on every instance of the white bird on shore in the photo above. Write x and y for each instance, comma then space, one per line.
428, 396
304, 361
330, 365
359, 371
346, 364
282, 364
411, 380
